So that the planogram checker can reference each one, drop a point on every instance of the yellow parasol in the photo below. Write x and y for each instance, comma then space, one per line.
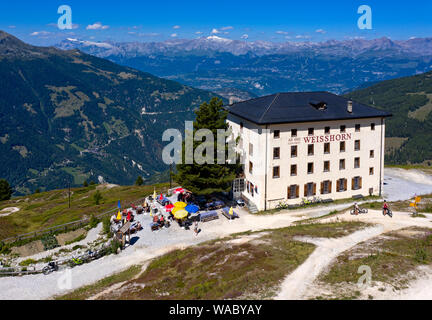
180, 204
154, 194
119, 215
231, 211
180, 213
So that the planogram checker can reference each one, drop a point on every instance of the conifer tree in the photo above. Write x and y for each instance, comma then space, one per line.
5, 190
208, 178
139, 181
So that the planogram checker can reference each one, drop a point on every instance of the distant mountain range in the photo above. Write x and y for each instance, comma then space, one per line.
66, 116
260, 67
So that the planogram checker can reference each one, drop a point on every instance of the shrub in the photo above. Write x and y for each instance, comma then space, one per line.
93, 222
4, 248
420, 255
115, 245
49, 241
97, 197
85, 184
106, 225
27, 262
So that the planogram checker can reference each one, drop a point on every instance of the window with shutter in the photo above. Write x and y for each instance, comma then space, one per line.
314, 189
297, 191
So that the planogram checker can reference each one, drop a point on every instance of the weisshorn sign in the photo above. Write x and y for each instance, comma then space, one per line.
322, 139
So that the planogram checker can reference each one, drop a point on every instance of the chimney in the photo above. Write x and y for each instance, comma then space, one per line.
350, 106
231, 100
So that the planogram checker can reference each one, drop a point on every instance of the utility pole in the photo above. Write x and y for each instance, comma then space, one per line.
69, 194
171, 176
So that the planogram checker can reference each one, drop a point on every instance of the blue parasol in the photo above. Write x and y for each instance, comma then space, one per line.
191, 208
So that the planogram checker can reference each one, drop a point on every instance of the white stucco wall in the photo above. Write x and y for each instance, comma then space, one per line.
263, 144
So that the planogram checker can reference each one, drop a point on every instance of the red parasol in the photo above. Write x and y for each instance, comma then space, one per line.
169, 207
179, 190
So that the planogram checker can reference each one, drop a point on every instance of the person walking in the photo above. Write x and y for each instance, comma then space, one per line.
196, 228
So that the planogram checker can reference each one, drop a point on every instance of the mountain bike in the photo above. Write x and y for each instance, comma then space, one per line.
389, 212
51, 267
360, 211
75, 262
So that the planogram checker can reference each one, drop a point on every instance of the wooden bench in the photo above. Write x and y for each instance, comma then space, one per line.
208, 216
225, 212
357, 196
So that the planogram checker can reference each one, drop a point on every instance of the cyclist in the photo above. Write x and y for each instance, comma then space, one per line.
356, 209
385, 208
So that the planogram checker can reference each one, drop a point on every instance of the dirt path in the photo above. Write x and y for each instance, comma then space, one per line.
299, 282
8, 211
295, 285
150, 245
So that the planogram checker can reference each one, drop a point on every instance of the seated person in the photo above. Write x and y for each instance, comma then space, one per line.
155, 219
162, 220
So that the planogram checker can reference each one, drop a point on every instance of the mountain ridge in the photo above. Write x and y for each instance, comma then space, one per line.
264, 68
66, 117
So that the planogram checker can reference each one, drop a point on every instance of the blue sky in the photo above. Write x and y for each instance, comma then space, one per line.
158, 20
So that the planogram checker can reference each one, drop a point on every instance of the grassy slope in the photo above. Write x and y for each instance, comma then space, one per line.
222, 270
49, 209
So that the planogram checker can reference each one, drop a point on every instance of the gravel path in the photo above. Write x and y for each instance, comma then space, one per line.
147, 244
298, 283
8, 211
295, 285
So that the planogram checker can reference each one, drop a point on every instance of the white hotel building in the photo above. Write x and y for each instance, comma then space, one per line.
308, 144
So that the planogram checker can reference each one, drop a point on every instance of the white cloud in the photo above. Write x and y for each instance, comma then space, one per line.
227, 28
282, 32
97, 26
300, 36
215, 31
198, 32
176, 27
12, 27
40, 33
174, 35
151, 34
245, 36
322, 31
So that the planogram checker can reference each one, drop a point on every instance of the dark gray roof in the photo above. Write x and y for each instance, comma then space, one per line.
299, 107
